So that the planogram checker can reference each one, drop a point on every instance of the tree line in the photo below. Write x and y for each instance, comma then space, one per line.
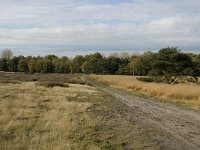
166, 62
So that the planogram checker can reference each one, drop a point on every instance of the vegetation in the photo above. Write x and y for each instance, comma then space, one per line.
77, 117
52, 84
168, 64
181, 94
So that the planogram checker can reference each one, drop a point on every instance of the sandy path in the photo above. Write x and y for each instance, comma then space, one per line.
173, 127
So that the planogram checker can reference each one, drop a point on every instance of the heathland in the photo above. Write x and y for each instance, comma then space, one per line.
60, 111
185, 94
51, 103
57, 111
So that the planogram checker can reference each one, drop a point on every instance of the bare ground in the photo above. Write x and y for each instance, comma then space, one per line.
172, 127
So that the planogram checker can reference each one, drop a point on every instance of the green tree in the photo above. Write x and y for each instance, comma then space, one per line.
49, 63
112, 65
4, 65
76, 64
39, 65
13, 65
23, 65
63, 65
94, 64
170, 62
136, 66
32, 65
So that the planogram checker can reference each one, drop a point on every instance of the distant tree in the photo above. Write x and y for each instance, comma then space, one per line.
63, 65
32, 65
47, 66
136, 66
147, 59
94, 64
49, 63
170, 62
23, 65
123, 69
6, 54
77, 63
4, 65
13, 65
39, 65
112, 65
196, 63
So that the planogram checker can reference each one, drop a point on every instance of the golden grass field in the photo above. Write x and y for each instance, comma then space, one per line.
35, 117
183, 94
76, 116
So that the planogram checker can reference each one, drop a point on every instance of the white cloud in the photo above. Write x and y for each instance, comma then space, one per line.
129, 25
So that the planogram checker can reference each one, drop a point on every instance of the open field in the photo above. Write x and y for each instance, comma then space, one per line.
9, 77
35, 116
57, 111
182, 94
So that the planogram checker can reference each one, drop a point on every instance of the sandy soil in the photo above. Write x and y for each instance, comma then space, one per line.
171, 126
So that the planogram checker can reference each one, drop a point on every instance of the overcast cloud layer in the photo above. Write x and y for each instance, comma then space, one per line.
68, 27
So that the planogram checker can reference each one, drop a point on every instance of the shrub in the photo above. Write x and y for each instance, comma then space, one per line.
52, 84
156, 79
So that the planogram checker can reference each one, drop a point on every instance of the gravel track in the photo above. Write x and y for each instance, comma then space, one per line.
171, 126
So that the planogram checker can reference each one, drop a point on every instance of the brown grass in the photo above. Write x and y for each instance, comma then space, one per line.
35, 117
184, 94
7, 77
78, 117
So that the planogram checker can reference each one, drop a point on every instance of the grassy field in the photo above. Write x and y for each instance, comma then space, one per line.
181, 94
36, 113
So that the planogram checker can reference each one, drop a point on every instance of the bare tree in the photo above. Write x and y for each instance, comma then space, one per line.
6, 54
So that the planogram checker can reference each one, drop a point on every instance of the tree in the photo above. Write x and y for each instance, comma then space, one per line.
13, 65
32, 65
136, 66
6, 54
4, 65
196, 63
94, 64
123, 69
47, 66
23, 65
171, 63
62, 65
39, 65
112, 65
49, 63
76, 64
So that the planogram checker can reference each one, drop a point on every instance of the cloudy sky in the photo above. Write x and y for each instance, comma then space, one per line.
69, 27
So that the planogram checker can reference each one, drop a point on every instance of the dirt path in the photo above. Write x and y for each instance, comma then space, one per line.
171, 126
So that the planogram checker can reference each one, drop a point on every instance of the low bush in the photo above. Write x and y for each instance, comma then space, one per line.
150, 79
52, 84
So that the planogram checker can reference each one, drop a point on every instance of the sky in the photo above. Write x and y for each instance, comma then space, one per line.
71, 27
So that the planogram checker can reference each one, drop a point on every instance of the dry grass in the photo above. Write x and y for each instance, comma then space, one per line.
8, 77
77, 117
184, 94
35, 117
